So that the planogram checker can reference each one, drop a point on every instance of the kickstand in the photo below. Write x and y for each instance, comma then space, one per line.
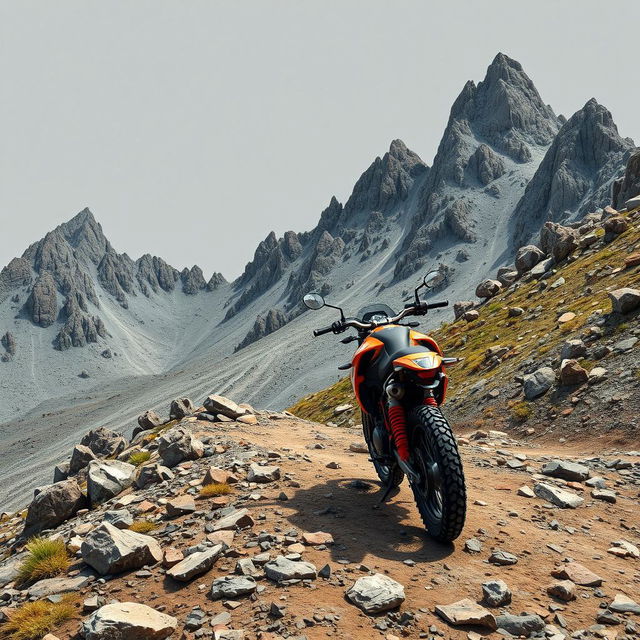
387, 492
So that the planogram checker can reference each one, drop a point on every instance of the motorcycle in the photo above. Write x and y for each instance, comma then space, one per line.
399, 380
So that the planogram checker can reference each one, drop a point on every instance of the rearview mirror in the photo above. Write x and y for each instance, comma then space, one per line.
431, 279
313, 301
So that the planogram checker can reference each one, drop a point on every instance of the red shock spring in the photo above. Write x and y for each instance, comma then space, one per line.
398, 424
430, 402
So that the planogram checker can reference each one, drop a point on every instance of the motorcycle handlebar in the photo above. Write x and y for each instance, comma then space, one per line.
321, 332
407, 311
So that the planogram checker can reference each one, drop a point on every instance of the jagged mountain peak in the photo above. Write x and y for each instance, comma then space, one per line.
577, 172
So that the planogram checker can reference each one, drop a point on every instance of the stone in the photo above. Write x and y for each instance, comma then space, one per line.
229, 587
527, 258
181, 408
42, 303
606, 495
104, 442
263, 474
178, 444
524, 625
359, 447
577, 573
526, 492
60, 584
215, 475
514, 312
558, 241
171, 557
597, 374
624, 300
120, 518
180, 506
471, 316
566, 470
281, 568
488, 289
473, 545
111, 550
622, 346
466, 612
563, 590
153, 474
149, 420
461, 307
224, 406
632, 260
502, 558
571, 373
375, 594
106, 479
81, 456
566, 317
239, 518
496, 593
615, 225
572, 349
624, 549
60, 472
195, 564
624, 604
559, 497
319, 537
52, 505
128, 620
538, 383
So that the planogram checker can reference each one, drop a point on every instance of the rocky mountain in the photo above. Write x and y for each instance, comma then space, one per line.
576, 174
84, 318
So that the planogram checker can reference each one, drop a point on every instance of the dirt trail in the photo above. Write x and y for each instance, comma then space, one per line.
390, 539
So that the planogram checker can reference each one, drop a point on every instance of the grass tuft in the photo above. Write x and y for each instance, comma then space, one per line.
34, 620
45, 559
139, 457
143, 526
215, 489
521, 412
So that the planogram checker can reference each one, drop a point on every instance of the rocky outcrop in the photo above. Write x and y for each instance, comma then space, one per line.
628, 186
79, 328
52, 505
576, 174
43, 301
115, 273
216, 281
485, 166
16, 274
156, 273
8, 341
193, 280
273, 320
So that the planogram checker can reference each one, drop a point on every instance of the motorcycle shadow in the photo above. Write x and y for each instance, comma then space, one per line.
349, 509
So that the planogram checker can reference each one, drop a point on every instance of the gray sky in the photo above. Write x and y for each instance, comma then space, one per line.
193, 128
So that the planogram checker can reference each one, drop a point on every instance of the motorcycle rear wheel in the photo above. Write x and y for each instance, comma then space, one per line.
440, 494
389, 474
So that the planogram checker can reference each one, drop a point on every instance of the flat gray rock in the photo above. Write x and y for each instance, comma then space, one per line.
566, 470
376, 593
559, 497
128, 621
232, 587
282, 568
523, 625
195, 564
63, 584
466, 612
538, 382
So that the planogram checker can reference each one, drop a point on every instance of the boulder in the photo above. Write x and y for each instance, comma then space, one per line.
624, 300
524, 625
282, 568
195, 564
538, 382
239, 518
496, 593
559, 497
181, 408
229, 587
466, 612
128, 621
180, 506
224, 406
215, 475
263, 474
624, 604
52, 505
81, 456
61, 472
488, 289
471, 316
615, 225
461, 307
111, 550
149, 420
120, 518
376, 593
571, 471
527, 258
571, 373
179, 444
107, 479
506, 276
153, 474
104, 442
572, 349
558, 241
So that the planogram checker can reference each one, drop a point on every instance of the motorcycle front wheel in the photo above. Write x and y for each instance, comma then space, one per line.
440, 493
